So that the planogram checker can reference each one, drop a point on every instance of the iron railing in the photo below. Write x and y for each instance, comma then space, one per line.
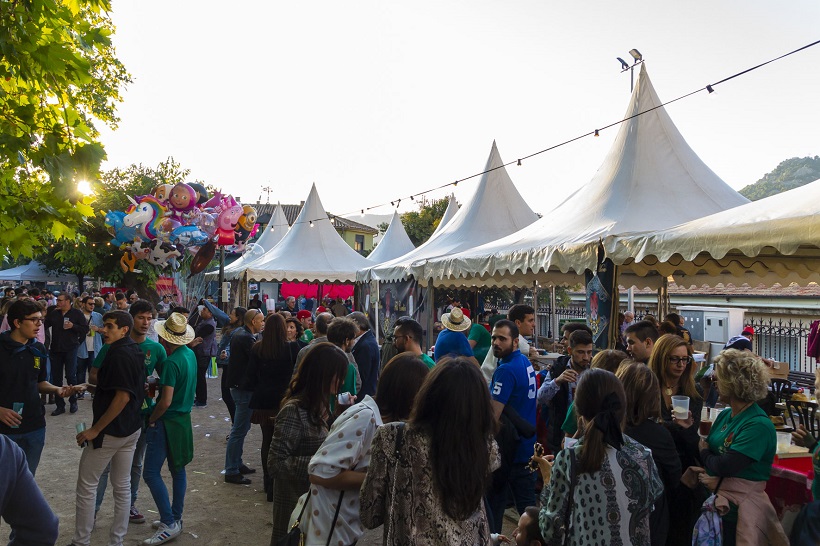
783, 340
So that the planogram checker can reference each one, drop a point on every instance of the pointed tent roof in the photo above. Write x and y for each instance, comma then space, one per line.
449, 212
34, 272
395, 242
274, 232
495, 209
776, 239
650, 179
312, 251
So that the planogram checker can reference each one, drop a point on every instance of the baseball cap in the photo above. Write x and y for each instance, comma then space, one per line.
303, 314
748, 330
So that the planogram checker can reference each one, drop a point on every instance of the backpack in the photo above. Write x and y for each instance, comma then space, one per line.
708, 529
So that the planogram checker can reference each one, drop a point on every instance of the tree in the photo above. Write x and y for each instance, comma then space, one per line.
420, 225
96, 257
791, 173
58, 72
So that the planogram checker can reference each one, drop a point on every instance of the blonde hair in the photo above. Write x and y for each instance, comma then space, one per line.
660, 356
741, 375
643, 394
608, 359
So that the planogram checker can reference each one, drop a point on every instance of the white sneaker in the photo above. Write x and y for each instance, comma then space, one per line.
165, 533
156, 524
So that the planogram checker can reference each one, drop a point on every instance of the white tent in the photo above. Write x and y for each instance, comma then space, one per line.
274, 232
312, 251
395, 242
449, 212
650, 179
34, 272
495, 209
773, 240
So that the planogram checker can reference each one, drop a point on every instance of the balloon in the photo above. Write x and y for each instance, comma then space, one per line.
161, 254
229, 213
248, 218
162, 193
165, 228
182, 199
121, 233
254, 251
201, 192
128, 261
207, 223
203, 258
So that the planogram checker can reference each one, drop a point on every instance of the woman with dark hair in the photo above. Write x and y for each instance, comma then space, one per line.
338, 468
426, 480
223, 351
300, 428
601, 490
643, 413
294, 328
269, 371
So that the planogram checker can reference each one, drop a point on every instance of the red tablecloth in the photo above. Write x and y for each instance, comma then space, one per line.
789, 490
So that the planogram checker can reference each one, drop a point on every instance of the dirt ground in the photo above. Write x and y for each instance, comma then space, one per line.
216, 513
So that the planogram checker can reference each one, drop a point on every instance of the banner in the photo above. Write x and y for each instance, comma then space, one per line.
394, 301
602, 303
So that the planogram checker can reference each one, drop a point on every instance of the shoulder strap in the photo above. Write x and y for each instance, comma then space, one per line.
399, 439
335, 517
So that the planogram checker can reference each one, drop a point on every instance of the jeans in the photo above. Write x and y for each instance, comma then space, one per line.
83, 365
156, 453
240, 428
136, 473
521, 484
32, 444
64, 362
118, 452
226, 393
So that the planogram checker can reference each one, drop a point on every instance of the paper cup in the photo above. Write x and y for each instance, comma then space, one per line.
680, 407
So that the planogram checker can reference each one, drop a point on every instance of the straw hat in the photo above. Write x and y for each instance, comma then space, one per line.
455, 320
175, 330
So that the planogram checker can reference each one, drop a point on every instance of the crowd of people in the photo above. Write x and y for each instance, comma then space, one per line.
589, 450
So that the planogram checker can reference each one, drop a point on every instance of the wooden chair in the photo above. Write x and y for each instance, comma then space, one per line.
803, 412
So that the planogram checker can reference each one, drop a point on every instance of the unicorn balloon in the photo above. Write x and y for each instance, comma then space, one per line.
145, 216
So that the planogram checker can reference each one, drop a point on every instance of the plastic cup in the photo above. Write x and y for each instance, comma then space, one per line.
18, 408
784, 439
680, 407
705, 427
80, 427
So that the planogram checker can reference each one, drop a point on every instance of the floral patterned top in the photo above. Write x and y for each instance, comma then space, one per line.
610, 507
404, 498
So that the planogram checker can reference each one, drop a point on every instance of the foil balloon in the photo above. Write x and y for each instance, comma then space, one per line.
145, 216
166, 227
122, 234
207, 223
253, 251
162, 193
162, 254
182, 199
229, 212
201, 192
203, 258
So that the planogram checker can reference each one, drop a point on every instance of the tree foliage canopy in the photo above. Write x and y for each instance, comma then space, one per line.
791, 173
420, 225
58, 74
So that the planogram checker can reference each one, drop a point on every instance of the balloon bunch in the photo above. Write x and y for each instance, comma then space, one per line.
160, 227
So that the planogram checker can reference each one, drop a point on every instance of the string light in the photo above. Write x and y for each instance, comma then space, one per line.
311, 223
519, 162
709, 89
596, 132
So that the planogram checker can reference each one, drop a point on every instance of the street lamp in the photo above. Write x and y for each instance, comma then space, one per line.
626, 66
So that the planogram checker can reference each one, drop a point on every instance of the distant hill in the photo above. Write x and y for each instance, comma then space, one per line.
790, 174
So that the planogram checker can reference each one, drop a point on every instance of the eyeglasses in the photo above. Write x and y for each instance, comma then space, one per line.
35, 320
680, 360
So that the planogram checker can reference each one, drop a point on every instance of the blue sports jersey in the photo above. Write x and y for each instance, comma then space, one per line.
514, 385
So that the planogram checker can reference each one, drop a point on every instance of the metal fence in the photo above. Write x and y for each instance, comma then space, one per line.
784, 341
543, 317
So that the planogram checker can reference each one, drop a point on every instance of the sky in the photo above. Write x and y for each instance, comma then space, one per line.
375, 100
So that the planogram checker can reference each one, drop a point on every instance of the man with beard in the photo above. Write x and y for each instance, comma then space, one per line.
407, 337
513, 394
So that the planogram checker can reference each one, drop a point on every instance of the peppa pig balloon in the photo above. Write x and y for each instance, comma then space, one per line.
228, 216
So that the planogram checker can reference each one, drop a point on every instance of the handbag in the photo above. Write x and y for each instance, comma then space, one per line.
295, 536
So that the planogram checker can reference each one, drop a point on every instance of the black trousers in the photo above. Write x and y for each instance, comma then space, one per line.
64, 362
202, 365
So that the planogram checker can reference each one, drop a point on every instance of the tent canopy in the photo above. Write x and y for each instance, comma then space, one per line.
449, 212
312, 251
34, 272
495, 209
773, 240
650, 179
395, 242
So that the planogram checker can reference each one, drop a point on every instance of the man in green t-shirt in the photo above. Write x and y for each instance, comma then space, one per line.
143, 313
407, 335
307, 321
479, 339
169, 432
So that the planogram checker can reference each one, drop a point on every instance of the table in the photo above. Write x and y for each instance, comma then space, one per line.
547, 360
789, 490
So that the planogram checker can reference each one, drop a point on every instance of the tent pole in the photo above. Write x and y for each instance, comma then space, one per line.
431, 312
375, 302
553, 314
535, 305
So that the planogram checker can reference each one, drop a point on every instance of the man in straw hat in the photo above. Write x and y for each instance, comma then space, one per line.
452, 341
112, 438
169, 433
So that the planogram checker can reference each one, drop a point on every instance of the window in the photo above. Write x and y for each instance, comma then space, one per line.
359, 244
